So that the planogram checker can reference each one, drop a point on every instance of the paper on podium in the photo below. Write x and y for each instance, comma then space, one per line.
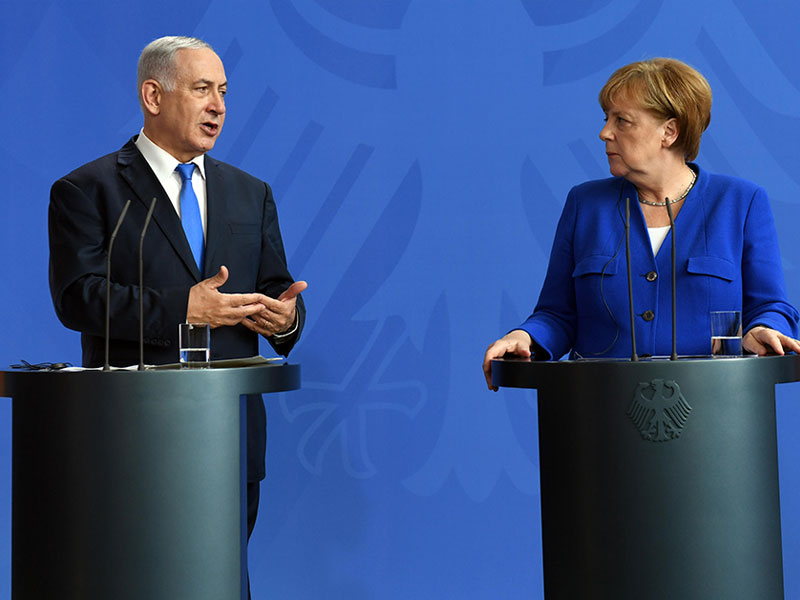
229, 363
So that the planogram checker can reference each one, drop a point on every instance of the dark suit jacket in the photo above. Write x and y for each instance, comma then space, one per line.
242, 234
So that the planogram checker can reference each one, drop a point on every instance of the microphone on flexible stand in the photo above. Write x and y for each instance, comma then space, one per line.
674, 355
634, 356
106, 366
141, 284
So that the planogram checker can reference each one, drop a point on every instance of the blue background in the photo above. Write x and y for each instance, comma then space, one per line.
420, 152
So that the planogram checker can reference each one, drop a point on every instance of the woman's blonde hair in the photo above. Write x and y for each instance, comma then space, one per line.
670, 89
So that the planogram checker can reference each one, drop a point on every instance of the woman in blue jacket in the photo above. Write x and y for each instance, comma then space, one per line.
726, 246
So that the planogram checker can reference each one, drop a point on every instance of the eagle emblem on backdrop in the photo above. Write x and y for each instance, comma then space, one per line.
658, 410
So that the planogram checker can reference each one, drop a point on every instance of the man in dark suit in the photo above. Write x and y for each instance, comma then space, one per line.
227, 267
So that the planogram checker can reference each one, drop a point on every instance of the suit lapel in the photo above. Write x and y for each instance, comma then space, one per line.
216, 210
133, 168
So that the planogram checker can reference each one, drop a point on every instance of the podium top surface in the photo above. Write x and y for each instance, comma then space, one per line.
257, 379
526, 373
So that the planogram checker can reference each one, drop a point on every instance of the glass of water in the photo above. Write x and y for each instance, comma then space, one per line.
195, 345
726, 333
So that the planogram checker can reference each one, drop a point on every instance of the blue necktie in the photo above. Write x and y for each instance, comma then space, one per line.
190, 214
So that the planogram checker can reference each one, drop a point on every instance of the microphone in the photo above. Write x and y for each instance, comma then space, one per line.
141, 283
674, 355
634, 356
106, 367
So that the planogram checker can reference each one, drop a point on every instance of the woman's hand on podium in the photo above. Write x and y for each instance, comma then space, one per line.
516, 342
763, 340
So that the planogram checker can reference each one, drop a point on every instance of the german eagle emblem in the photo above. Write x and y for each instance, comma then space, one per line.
659, 411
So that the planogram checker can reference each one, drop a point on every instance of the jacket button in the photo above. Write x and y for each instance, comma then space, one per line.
648, 315
651, 276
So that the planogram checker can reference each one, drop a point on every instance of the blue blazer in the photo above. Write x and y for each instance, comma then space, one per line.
242, 234
727, 259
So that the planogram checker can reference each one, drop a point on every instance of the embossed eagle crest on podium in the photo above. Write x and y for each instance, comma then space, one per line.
658, 410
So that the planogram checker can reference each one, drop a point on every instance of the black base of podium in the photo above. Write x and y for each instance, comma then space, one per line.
659, 479
128, 485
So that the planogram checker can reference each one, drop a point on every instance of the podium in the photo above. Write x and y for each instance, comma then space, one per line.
129, 484
659, 479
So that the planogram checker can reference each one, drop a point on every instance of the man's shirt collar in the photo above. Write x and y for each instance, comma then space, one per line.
161, 161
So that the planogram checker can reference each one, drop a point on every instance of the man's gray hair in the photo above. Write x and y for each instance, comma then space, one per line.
157, 61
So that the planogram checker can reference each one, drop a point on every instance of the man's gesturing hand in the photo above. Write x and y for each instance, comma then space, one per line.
208, 305
276, 315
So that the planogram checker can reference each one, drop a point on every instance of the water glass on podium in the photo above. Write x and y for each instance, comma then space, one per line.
195, 345
726, 333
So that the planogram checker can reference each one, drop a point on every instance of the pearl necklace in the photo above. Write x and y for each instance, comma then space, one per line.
683, 195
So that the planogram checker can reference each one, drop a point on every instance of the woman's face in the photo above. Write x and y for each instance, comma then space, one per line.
635, 139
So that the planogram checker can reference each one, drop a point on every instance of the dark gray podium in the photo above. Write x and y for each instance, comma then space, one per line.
128, 485
659, 479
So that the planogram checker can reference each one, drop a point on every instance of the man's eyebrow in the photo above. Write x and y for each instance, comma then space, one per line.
209, 82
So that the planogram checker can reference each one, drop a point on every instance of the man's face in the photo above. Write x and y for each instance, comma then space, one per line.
191, 116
